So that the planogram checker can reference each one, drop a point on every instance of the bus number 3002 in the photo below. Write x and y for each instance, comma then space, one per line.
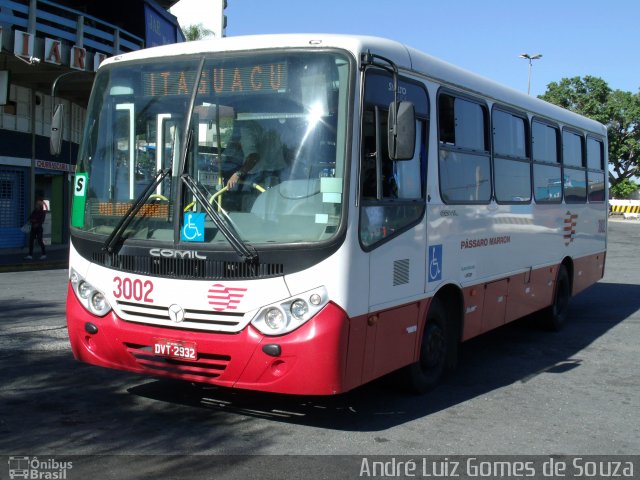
133, 289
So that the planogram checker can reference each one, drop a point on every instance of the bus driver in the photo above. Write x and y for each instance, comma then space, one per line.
262, 153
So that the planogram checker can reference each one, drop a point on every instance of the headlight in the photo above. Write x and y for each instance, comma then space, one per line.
84, 290
275, 319
299, 308
91, 298
289, 314
99, 303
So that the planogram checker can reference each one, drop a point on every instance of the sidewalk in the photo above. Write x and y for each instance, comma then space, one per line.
12, 260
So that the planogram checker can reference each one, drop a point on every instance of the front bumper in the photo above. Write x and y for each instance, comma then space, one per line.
312, 359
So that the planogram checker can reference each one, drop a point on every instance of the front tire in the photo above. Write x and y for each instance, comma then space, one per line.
426, 373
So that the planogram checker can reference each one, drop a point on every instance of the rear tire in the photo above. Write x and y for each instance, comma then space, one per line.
556, 314
426, 373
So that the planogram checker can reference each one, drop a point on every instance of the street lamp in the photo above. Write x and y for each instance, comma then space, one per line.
537, 56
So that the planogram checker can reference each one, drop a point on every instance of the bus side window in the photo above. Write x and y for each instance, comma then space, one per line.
464, 160
574, 172
511, 163
547, 173
595, 174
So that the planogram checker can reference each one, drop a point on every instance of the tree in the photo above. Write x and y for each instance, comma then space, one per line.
619, 111
624, 189
196, 32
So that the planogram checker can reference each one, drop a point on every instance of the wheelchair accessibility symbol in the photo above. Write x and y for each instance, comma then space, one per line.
435, 263
193, 230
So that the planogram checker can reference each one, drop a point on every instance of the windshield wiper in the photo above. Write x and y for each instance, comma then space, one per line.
116, 234
223, 224
242, 249
189, 114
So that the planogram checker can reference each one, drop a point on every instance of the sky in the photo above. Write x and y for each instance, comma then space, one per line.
575, 37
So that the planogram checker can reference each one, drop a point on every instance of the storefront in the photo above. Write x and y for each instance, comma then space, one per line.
46, 43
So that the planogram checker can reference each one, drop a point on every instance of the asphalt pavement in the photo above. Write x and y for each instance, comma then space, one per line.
517, 390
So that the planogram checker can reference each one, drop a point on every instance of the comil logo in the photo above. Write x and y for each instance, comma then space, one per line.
225, 298
570, 222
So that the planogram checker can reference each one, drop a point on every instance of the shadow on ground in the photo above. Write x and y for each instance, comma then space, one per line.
50, 403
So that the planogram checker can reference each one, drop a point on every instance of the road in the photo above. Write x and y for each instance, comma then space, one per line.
517, 390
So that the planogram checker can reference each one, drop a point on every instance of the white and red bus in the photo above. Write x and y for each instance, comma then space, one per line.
388, 207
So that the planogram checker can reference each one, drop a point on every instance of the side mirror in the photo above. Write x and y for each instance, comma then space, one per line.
402, 131
55, 142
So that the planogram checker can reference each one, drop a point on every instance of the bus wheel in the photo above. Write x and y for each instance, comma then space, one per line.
425, 374
557, 312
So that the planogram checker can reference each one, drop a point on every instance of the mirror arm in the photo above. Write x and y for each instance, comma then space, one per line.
55, 146
60, 77
385, 63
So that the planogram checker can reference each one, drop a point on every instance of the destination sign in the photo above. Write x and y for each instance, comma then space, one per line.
249, 79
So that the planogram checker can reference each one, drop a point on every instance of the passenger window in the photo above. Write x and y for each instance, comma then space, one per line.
596, 187
462, 123
574, 175
595, 154
509, 135
575, 185
469, 126
595, 175
547, 174
572, 149
547, 183
545, 143
464, 161
512, 173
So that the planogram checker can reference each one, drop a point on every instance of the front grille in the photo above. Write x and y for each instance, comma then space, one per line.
228, 322
188, 268
206, 367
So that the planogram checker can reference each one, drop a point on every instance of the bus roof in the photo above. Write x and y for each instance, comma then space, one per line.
405, 57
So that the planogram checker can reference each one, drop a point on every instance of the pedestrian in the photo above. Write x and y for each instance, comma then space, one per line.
37, 219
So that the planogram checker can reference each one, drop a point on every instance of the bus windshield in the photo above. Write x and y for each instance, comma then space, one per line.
265, 144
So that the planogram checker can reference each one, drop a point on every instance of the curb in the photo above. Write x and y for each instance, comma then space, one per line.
35, 265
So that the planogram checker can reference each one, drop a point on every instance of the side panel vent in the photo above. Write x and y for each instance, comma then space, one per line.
400, 272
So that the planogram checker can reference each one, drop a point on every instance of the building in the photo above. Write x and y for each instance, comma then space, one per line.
46, 43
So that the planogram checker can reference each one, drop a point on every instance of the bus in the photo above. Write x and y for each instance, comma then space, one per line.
302, 214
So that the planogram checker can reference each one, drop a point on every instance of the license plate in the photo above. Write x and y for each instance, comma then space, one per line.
175, 349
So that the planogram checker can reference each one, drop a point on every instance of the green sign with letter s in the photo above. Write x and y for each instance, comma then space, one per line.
79, 199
